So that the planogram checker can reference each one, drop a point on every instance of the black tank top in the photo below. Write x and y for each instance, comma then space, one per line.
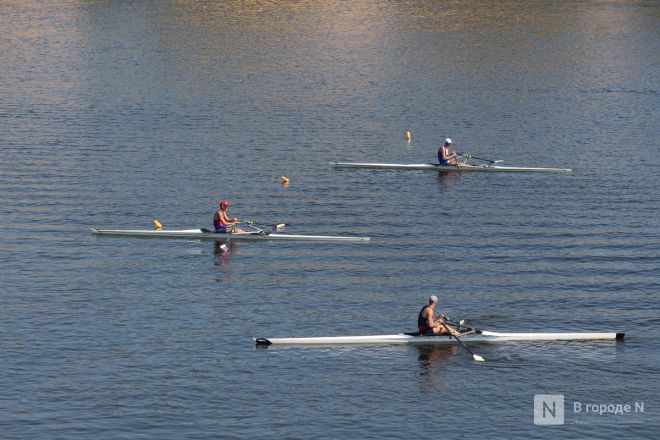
422, 322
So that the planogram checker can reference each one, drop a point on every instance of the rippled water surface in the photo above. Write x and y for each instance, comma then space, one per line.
113, 114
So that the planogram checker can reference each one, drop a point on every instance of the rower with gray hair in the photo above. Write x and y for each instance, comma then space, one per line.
430, 325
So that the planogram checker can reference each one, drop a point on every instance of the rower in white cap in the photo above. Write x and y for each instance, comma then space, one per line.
446, 157
430, 325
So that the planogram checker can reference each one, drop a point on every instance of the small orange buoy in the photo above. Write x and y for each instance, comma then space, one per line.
157, 225
408, 136
284, 180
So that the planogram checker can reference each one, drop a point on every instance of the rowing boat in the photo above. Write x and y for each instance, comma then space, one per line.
481, 336
488, 168
200, 234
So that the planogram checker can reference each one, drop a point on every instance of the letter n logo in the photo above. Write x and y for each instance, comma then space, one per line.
548, 409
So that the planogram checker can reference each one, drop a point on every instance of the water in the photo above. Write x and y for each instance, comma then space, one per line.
116, 113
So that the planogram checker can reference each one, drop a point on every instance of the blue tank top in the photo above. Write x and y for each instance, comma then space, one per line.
440, 159
218, 227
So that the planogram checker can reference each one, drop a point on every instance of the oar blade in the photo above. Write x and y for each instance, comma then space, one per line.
478, 358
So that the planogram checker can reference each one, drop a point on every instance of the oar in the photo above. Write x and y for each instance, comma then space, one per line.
448, 319
276, 226
469, 156
461, 323
251, 224
476, 357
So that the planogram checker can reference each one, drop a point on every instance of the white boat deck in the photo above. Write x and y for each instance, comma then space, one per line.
405, 338
198, 234
445, 168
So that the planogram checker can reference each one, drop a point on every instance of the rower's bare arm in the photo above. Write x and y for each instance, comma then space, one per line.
438, 320
428, 315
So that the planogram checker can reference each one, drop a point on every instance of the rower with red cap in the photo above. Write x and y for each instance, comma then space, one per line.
222, 223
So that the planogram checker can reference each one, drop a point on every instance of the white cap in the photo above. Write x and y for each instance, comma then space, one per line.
433, 299
448, 141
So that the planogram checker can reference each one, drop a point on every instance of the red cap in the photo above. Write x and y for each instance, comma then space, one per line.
224, 204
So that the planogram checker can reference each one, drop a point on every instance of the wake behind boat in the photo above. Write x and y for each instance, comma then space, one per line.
480, 336
487, 167
205, 234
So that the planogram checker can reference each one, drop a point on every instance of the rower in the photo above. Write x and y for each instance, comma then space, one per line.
430, 325
446, 157
222, 223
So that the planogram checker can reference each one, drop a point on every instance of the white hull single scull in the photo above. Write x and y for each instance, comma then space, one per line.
414, 338
448, 168
199, 234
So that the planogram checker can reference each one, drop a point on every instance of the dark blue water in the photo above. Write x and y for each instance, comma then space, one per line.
116, 113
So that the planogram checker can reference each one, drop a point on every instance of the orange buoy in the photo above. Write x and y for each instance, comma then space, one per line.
157, 225
284, 180
408, 136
